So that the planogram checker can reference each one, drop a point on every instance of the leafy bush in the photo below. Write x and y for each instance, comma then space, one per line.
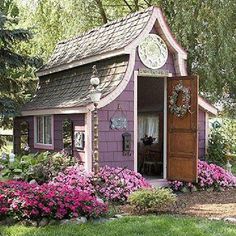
209, 176
22, 200
111, 184
217, 147
40, 166
222, 140
156, 199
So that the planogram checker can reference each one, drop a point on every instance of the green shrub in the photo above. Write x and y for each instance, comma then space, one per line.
222, 140
217, 147
41, 167
156, 199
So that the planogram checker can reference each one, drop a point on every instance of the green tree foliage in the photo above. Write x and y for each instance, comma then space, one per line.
206, 29
9, 8
16, 68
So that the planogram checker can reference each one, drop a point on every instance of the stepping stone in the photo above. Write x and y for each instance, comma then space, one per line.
230, 219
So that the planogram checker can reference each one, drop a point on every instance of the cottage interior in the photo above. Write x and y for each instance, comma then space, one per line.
150, 123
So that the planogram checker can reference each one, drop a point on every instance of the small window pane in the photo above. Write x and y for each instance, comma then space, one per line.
47, 130
43, 129
39, 129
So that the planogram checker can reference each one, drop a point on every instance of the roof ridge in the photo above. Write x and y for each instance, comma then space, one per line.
105, 25
114, 35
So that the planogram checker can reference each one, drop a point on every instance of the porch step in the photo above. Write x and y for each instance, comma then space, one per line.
158, 182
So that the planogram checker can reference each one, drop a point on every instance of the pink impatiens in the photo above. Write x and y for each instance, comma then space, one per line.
209, 176
116, 184
72, 193
31, 201
75, 177
111, 184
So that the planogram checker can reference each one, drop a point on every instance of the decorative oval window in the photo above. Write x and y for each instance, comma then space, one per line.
153, 51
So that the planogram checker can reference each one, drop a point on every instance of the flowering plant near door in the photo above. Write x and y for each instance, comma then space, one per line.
209, 176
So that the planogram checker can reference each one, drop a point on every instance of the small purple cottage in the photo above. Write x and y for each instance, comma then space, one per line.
151, 118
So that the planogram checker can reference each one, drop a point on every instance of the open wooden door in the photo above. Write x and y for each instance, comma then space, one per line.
182, 131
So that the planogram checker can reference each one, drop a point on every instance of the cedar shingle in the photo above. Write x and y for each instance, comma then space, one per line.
70, 88
113, 35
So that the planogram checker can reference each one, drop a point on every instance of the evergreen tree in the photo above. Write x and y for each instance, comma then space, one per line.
16, 77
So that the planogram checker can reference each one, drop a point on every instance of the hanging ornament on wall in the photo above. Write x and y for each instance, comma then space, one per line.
118, 120
181, 110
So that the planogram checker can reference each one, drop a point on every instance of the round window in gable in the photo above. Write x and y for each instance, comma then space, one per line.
153, 51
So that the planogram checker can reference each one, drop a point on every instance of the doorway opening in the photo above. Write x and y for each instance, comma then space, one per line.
150, 127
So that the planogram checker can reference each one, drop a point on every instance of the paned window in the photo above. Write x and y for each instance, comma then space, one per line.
44, 129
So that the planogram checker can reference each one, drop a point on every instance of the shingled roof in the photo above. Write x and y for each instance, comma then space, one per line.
71, 88
111, 36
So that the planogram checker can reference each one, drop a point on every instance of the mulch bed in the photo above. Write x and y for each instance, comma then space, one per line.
202, 204
207, 204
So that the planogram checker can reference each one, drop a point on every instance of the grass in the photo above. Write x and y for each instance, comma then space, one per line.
138, 226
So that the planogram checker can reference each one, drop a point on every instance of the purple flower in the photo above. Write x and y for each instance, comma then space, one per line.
209, 175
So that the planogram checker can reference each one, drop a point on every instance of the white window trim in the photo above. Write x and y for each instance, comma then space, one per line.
42, 145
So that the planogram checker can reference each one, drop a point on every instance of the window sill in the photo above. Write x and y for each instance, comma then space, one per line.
44, 146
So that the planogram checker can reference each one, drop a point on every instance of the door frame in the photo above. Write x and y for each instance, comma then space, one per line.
136, 75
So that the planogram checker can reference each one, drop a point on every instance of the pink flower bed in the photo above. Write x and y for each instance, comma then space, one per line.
71, 194
76, 178
116, 184
209, 175
32, 201
112, 184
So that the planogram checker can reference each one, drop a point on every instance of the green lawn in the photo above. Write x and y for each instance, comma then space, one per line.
146, 225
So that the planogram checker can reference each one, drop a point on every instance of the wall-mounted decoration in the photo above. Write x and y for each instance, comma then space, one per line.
154, 73
119, 123
153, 51
126, 141
181, 110
79, 140
118, 120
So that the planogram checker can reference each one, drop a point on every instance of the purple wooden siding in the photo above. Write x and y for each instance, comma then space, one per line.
78, 121
110, 141
201, 134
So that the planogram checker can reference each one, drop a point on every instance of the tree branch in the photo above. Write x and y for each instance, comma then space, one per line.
102, 11
128, 5
148, 2
136, 5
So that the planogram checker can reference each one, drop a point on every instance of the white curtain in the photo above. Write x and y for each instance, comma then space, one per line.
148, 124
